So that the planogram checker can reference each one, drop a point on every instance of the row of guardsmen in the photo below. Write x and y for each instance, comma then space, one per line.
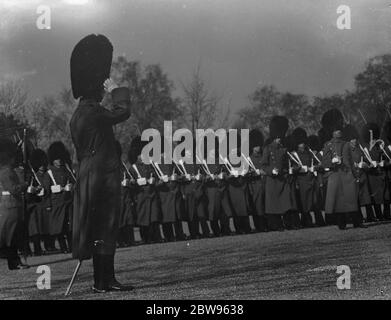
290, 182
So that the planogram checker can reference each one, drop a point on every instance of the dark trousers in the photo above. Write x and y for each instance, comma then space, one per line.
260, 223
221, 227
126, 235
306, 220
387, 211
342, 219
291, 220
36, 240
194, 228
242, 225
169, 228
319, 220
274, 222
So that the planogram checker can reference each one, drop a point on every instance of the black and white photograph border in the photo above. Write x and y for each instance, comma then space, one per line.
214, 150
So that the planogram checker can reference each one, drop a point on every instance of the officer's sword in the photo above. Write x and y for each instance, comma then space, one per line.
73, 278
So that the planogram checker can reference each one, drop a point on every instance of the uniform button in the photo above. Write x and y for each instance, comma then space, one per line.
93, 152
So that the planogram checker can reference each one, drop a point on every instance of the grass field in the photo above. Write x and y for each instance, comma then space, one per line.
277, 265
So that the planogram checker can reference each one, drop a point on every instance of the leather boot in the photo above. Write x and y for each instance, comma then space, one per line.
100, 276
113, 284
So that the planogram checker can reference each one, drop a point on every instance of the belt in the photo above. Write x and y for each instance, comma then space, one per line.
5, 193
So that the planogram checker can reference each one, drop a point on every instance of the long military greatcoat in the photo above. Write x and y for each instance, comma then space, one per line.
342, 190
97, 194
256, 186
11, 212
280, 193
377, 177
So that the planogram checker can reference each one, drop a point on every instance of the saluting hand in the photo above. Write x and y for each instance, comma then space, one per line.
109, 85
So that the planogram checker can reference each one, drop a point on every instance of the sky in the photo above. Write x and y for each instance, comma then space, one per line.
239, 44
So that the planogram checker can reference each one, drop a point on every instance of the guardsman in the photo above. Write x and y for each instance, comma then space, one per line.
148, 214
97, 193
351, 165
387, 155
256, 181
35, 196
337, 173
314, 146
306, 176
170, 196
126, 220
11, 206
219, 206
195, 201
58, 183
354, 160
370, 135
279, 195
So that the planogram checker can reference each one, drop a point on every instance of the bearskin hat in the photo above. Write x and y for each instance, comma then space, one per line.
38, 159
324, 136
365, 134
350, 132
256, 139
136, 146
332, 120
314, 143
90, 66
278, 127
57, 150
299, 135
7, 151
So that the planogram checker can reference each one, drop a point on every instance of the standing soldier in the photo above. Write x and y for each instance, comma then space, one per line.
97, 195
126, 220
148, 213
256, 181
352, 164
354, 158
58, 183
376, 172
279, 195
387, 151
305, 177
314, 146
195, 204
170, 200
11, 206
35, 197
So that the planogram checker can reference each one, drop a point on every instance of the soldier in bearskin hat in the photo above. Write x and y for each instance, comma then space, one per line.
58, 184
256, 181
279, 194
128, 206
305, 176
386, 135
355, 176
97, 194
11, 206
335, 205
315, 147
36, 199
376, 172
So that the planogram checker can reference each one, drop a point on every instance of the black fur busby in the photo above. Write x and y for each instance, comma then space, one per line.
350, 133
57, 150
7, 151
38, 159
278, 127
136, 146
299, 136
256, 139
324, 136
90, 66
314, 143
332, 120
365, 134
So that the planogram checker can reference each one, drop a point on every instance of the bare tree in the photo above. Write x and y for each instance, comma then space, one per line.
200, 105
12, 97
